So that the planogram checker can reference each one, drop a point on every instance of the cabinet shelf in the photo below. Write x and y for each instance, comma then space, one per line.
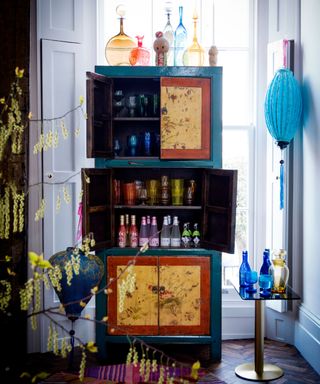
136, 119
159, 207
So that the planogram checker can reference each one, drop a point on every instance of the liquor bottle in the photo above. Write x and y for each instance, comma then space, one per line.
165, 233
143, 234
133, 233
127, 224
244, 267
196, 236
175, 238
168, 34
148, 225
180, 40
186, 238
154, 235
264, 270
122, 233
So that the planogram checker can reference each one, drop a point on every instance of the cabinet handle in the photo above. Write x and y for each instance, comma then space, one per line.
164, 111
135, 163
154, 289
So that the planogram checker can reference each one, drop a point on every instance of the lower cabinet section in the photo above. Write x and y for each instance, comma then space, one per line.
159, 295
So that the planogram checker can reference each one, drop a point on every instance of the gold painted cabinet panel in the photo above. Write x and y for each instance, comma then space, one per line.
159, 295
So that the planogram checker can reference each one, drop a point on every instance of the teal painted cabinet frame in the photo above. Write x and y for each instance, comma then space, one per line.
216, 206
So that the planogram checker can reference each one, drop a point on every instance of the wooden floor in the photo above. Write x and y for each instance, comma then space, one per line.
234, 352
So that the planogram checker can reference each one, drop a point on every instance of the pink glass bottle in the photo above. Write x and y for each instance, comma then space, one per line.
154, 234
143, 234
133, 233
122, 233
139, 55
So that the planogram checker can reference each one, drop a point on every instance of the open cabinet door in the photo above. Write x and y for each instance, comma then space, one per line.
97, 206
99, 111
220, 193
185, 118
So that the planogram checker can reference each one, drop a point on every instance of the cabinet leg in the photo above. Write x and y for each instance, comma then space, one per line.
259, 371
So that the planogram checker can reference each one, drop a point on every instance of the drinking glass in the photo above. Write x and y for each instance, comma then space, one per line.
117, 147
265, 282
177, 191
251, 279
132, 105
118, 102
153, 191
132, 145
143, 195
129, 193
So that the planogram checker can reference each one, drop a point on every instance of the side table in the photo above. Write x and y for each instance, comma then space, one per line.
259, 371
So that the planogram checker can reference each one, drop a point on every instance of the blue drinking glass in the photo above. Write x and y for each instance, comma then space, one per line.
147, 143
251, 279
132, 145
265, 282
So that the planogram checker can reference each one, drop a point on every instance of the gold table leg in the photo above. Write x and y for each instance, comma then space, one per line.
258, 371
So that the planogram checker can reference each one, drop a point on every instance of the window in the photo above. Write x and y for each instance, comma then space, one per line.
228, 24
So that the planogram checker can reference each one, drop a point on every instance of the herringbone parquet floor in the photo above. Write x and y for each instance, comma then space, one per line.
235, 352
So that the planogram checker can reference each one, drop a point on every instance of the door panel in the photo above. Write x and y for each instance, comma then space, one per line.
185, 118
184, 295
219, 219
97, 206
99, 110
133, 311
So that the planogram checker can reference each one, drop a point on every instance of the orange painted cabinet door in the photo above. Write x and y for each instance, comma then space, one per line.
184, 295
159, 295
133, 302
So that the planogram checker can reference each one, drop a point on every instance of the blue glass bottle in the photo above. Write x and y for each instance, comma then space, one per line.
264, 270
244, 267
180, 40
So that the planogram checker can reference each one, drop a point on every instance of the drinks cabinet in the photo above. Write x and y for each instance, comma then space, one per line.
159, 123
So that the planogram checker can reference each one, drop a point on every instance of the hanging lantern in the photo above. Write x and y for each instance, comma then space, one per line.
282, 109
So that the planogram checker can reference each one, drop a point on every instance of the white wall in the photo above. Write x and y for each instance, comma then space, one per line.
308, 325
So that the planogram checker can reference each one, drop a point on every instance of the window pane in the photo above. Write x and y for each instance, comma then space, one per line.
236, 87
231, 23
236, 149
236, 156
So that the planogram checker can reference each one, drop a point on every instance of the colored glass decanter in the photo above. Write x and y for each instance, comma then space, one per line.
168, 34
264, 270
139, 55
194, 55
279, 271
244, 268
180, 40
118, 48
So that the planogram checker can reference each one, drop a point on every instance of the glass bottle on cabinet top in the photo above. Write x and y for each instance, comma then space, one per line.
194, 55
139, 55
168, 34
180, 40
118, 48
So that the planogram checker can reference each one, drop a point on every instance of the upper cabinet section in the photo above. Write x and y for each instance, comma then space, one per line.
154, 113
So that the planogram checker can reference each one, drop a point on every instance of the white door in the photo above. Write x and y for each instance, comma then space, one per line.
63, 82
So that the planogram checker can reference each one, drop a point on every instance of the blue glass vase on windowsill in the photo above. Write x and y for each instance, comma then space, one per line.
180, 40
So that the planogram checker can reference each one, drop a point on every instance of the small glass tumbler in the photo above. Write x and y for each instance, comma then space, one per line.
265, 282
117, 191
129, 193
153, 186
251, 279
132, 145
177, 191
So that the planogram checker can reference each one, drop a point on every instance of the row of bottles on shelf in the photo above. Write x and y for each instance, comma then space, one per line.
273, 275
135, 105
155, 191
169, 235
170, 46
